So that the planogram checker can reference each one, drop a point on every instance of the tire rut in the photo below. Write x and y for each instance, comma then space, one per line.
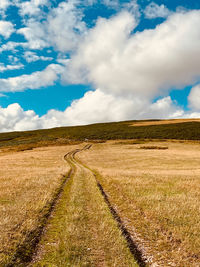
132, 245
26, 251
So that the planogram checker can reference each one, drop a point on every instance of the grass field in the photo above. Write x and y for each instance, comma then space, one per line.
27, 182
123, 202
156, 192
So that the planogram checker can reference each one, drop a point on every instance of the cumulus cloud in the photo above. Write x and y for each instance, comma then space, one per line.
13, 59
134, 8
32, 57
162, 109
153, 11
95, 106
6, 28
14, 118
194, 98
35, 34
36, 80
65, 26
11, 46
111, 3
4, 4
32, 7
62, 28
10, 67
146, 64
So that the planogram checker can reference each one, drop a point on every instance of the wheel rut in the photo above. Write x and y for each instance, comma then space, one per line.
26, 252
132, 245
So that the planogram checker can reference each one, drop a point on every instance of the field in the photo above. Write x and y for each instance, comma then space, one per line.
121, 202
156, 192
27, 183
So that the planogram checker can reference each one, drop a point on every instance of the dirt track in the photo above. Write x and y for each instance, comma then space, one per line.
133, 247
32, 242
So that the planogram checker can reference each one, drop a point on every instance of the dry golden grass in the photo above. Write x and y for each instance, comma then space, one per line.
27, 182
146, 123
81, 231
157, 194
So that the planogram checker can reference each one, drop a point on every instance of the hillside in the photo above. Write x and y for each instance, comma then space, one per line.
151, 129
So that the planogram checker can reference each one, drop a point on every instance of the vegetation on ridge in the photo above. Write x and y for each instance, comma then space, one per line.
103, 131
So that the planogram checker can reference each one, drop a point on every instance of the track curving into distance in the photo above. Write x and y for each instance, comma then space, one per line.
133, 247
27, 251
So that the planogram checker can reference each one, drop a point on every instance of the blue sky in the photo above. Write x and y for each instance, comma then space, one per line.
79, 62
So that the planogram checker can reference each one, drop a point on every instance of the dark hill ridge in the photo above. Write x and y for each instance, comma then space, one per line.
187, 130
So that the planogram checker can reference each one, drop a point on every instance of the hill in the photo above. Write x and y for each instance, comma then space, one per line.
147, 129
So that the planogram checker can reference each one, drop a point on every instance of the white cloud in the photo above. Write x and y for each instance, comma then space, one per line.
133, 8
194, 98
153, 11
36, 80
35, 35
11, 46
14, 118
32, 57
62, 29
13, 59
162, 109
111, 3
63, 60
146, 64
192, 115
32, 7
10, 67
95, 106
101, 46
4, 4
65, 26
6, 28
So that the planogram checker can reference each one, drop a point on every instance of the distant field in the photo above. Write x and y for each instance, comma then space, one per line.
156, 193
160, 122
27, 182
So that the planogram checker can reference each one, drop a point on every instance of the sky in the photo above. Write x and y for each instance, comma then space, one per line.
75, 62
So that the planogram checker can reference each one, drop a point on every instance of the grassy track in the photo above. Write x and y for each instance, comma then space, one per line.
82, 231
